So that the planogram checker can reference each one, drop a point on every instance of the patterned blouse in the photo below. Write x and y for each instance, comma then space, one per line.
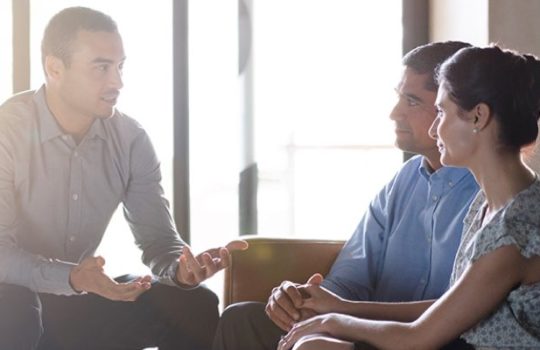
516, 323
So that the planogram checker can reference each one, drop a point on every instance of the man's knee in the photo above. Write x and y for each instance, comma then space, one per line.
20, 318
250, 312
188, 317
175, 300
246, 326
315, 342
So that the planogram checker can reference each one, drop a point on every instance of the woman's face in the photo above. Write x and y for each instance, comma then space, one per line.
453, 131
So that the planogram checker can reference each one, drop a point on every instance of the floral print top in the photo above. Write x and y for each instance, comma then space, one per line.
516, 323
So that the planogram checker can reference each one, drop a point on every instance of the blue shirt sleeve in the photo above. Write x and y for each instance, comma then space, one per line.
404, 246
354, 273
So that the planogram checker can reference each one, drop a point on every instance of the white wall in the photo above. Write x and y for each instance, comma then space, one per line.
464, 20
514, 24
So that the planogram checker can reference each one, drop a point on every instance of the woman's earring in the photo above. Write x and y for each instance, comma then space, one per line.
475, 130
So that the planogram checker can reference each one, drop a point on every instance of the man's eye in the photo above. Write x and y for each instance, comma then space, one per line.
412, 102
103, 68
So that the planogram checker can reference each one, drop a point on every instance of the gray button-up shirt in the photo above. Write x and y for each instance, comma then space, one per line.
57, 197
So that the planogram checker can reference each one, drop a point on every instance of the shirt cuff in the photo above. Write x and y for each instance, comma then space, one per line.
53, 277
170, 277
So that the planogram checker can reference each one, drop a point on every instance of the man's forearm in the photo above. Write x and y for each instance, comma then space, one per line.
36, 273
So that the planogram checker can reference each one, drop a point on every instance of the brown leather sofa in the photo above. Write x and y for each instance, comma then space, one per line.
269, 261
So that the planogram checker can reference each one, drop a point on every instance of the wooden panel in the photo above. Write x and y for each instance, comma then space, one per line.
269, 261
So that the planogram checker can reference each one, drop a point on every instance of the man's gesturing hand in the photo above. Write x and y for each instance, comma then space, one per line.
192, 270
89, 276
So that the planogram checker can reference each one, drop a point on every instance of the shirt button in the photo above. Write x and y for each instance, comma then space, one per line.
72, 238
434, 198
450, 183
75, 154
65, 137
75, 196
422, 281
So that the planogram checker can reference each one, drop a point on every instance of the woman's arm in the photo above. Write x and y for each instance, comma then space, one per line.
479, 291
323, 301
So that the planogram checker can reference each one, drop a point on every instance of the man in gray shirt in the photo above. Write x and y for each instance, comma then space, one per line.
68, 158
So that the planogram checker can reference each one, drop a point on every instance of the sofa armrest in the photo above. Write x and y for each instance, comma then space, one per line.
269, 261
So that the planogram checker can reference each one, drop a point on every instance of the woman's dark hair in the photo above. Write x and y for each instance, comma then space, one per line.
506, 81
63, 28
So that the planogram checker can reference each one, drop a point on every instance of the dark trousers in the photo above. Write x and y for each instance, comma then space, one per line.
245, 326
166, 317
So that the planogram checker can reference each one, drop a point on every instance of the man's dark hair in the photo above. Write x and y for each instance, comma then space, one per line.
427, 58
64, 26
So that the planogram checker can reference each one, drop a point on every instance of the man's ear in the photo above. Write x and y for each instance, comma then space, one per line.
481, 116
54, 68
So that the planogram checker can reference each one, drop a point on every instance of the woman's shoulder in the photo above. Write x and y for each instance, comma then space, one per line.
524, 210
518, 224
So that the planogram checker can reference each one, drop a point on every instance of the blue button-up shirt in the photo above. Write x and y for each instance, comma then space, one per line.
404, 247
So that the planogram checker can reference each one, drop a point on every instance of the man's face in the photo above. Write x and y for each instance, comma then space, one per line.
90, 85
414, 113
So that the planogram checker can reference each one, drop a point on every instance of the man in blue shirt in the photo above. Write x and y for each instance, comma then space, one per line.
404, 246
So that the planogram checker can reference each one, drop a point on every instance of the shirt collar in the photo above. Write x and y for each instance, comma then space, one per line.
48, 126
97, 129
451, 175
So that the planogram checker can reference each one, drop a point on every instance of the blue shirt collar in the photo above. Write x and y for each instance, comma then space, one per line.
451, 175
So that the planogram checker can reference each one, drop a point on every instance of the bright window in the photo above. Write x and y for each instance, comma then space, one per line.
323, 89
324, 73
6, 56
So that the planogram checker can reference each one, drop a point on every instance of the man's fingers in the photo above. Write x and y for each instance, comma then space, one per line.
128, 291
92, 262
100, 261
183, 274
316, 279
278, 315
237, 245
211, 266
195, 267
291, 290
145, 281
225, 258
191, 271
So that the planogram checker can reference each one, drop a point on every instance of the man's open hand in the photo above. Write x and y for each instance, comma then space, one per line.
89, 276
192, 270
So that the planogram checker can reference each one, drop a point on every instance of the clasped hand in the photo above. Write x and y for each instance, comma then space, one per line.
292, 302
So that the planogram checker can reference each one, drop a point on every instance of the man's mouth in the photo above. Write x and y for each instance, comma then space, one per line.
110, 98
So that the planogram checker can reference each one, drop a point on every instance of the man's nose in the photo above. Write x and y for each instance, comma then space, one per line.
116, 79
397, 113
